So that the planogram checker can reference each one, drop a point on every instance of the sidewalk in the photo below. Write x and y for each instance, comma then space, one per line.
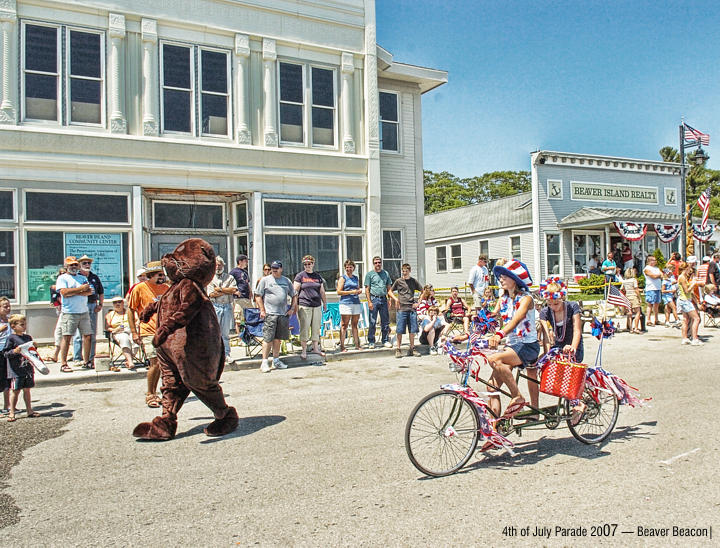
102, 374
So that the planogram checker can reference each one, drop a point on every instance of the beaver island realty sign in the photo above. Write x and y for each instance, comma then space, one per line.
605, 192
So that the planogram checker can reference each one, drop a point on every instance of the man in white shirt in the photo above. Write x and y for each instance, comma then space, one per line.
653, 287
221, 290
478, 280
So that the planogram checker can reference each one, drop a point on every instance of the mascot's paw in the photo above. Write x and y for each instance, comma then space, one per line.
222, 427
160, 429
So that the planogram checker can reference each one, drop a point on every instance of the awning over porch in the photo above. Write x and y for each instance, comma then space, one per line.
592, 216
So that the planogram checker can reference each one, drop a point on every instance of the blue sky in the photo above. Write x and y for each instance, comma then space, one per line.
598, 77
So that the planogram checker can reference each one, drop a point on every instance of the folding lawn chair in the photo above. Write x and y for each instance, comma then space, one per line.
711, 317
251, 333
116, 358
331, 323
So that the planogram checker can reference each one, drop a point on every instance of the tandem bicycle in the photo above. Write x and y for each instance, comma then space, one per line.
444, 428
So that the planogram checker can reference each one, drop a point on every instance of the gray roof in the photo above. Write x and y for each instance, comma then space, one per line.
493, 215
603, 215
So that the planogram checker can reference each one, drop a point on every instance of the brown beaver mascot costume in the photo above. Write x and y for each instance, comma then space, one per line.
189, 344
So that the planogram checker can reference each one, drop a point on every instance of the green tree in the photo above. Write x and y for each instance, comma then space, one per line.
446, 191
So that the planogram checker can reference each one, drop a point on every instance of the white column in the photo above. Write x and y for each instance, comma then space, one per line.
258, 246
269, 99
150, 77
117, 35
372, 135
242, 53
8, 26
348, 67
138, 244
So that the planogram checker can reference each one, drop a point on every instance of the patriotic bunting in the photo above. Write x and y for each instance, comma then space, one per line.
703, 234
631, 231
667, 233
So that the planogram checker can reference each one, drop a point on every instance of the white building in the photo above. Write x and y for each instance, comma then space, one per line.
270, 128
566, 219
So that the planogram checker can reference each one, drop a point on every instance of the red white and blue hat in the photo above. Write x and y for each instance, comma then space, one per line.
553, 295
516, 270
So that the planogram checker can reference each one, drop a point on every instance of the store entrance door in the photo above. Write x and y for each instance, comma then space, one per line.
166, 243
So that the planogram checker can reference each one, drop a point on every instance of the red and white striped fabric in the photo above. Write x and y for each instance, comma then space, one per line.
517, 268
704, 204
692, 134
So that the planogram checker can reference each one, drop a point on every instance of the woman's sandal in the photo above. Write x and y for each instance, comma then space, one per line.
66, 369
152, 401
33, 415
11, 418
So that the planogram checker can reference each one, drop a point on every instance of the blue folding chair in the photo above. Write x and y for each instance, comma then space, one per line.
252, 334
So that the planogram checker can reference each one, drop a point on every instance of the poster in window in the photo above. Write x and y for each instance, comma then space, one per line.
106, 253
39, 282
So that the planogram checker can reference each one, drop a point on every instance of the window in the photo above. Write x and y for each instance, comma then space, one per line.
456, 256
323, 107
42, 69
322, 115
353, 216
86, 77
7, 197
41, 66
515, 248
291, 103
177, 88
392, 252
83, 208
354, 252
290, 249
485, 248
301, 214
242, 245
188, 215
47, 250
441, 258
214, 92
552, 254
7, 264
241, 217
585, 246
389, 121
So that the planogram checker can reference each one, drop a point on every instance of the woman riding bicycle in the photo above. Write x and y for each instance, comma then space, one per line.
517, 311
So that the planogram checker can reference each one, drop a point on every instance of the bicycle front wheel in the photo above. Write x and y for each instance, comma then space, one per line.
599, 418
441, 433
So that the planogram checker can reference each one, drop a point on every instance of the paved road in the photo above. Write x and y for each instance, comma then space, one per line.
319, 459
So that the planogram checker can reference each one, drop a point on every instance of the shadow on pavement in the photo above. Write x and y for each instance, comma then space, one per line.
246, 426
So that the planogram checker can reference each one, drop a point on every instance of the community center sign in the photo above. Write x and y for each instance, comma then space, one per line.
605, 192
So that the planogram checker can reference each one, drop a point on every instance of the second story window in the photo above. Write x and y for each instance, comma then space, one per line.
179, 87
307, 99
48, 78
389, 121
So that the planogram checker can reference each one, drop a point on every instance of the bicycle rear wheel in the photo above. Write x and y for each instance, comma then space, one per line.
441, 433
599, 418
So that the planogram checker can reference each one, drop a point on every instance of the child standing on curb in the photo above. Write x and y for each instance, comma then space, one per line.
20, 371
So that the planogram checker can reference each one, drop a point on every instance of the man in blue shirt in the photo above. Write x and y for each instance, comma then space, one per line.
74, 288
377, 285
609, 268
94, 305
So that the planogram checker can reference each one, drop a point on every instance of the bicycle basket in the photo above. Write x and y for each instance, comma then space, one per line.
563, 378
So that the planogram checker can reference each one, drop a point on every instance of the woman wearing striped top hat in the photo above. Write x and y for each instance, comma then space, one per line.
517, 310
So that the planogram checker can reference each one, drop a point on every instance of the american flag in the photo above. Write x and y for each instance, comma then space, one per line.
616, 298
704, 204
692, 134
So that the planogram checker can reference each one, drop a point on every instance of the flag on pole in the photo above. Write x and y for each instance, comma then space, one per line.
616, 298
692, 134
704, 204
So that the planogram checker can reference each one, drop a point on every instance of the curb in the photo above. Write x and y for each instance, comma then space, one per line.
292, 360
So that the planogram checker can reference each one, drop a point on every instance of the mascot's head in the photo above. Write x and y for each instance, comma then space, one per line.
194, 258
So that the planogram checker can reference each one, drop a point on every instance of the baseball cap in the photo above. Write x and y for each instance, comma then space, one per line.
276, 264
706, 259
71, 259
117, 299
139, 272
692, 259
